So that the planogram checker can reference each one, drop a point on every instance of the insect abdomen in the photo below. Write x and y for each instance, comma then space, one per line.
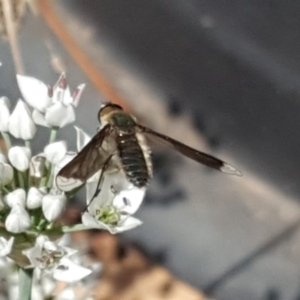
133, 159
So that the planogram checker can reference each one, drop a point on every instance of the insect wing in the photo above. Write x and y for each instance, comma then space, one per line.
87, 162
194, 154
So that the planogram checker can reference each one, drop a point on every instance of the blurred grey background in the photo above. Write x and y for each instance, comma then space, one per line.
222, 76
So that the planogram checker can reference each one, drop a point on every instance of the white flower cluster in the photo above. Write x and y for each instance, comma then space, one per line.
31, 203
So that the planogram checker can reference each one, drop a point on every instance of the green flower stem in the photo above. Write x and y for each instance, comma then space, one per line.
21, 180
50, 176
77, 227
28, 144
25, 283
7, 139
53, 134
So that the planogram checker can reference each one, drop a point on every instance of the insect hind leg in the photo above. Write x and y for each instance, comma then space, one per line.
98, 189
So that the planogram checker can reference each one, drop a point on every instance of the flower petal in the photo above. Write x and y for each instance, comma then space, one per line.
61, 91
53, 206
4, 113
5, 246
35, 92
113, 183
81, 137
19, 157
35, 252
127, 224
21, 124
59, 115
55, 152
39, 118
129, 200
67, 271
77, 94
18, 219
90, 222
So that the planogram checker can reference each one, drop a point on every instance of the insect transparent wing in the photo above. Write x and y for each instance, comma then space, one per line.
194, 154
86, 163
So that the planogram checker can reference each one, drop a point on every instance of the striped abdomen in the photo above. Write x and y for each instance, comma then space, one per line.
135, 161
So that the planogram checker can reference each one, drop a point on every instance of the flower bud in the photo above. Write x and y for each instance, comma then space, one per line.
18, 196
34, 198
53, 206
19, 157
21, 124
4, 113
3, 159
6, 174
18, 219
55, 152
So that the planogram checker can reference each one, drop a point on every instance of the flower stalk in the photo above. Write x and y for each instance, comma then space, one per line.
25, 283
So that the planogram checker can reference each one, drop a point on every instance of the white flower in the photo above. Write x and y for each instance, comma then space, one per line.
17, 196
54, 258
18, 219
112, 209
4, 113
53, 205
21, 124
34, 198
5, 246
53, 107
55, 152
6, 174
19, 157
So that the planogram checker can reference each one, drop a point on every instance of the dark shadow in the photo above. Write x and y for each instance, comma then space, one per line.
287, 233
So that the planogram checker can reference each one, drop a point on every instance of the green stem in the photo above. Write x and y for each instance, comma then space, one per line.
53, 134
77, 227
50, 176
21, 180
28, 144
25, 283
6, 138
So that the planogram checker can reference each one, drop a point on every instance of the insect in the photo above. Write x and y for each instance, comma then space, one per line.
122, 142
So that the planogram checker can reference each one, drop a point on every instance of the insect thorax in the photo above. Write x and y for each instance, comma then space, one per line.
122, 120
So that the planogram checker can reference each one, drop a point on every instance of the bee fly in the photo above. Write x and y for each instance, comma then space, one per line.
121, 143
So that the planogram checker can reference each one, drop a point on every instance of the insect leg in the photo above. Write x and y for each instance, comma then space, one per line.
98, 189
